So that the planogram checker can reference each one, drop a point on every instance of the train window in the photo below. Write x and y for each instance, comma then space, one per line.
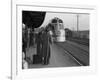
60, 21
54, 21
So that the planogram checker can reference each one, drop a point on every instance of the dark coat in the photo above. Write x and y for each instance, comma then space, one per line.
24, 40
46, 46
39, 44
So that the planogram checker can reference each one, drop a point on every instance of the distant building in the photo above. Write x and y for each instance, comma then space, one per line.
68, 33
84, 34
81, 34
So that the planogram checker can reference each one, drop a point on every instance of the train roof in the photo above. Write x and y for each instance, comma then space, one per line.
56, 20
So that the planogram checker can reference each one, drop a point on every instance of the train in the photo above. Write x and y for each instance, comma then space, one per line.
58, 29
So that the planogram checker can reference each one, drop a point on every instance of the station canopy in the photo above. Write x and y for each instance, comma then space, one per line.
33, 19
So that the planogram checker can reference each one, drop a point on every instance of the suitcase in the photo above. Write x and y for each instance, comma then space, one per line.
37, 59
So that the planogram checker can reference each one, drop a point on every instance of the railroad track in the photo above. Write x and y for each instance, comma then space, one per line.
73, 57
86, 52
80, 63
80, 41
69, 52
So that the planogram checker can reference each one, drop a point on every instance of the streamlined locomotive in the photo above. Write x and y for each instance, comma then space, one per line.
57, 29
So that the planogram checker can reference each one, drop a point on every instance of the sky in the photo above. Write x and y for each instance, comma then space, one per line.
69, 20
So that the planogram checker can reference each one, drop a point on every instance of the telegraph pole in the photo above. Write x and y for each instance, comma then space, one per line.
78, 34
77, 22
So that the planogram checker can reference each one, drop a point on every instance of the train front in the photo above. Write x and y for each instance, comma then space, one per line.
58, 30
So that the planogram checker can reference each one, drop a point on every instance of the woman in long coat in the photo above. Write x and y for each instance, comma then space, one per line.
46, 46
39, 44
